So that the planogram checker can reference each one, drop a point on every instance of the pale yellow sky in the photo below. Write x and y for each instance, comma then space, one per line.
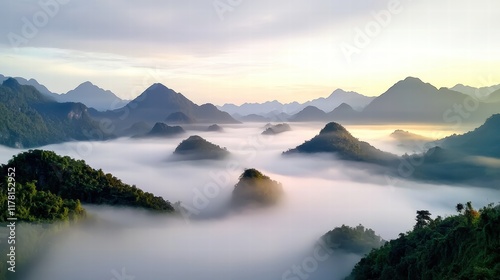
256, 51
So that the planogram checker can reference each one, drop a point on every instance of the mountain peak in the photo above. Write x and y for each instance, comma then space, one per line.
332, 127
157, 86
12, 83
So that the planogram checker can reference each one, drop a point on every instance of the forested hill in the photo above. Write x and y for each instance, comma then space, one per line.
29, 119
65, 182
465, 246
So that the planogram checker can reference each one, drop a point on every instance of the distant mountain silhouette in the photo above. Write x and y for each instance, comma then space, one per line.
339, 97
335, 139
481, 92
157, 102
276, 129
215, 127
325, 104
412, 100
253, 118
197, 148
410, 140
179, 118
162, 130
343, 112
93, 96
30, 119
310, 114
32, 82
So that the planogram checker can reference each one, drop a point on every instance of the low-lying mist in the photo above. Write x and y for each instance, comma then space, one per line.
211, 241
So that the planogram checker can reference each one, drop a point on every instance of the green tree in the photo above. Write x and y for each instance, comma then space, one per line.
423, 219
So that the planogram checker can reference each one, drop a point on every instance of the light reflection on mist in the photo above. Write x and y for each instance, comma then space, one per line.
320, 193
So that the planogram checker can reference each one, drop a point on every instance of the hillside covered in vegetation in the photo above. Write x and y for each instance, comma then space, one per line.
357, 240
50, 187
465, 246
255, 188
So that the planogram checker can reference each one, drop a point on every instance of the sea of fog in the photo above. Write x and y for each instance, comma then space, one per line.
210, 242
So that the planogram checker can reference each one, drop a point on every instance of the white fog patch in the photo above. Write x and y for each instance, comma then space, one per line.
321, 193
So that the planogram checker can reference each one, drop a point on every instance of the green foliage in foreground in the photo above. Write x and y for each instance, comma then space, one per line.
466, 246
38, 206
63, 182
358, 240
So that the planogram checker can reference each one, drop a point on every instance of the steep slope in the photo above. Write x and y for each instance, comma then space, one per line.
483, 141
29, 119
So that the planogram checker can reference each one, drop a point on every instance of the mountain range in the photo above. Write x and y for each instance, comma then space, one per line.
412, 101
157, 104
472, 158
327, 104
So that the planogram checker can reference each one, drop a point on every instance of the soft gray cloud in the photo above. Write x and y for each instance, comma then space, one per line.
194, 24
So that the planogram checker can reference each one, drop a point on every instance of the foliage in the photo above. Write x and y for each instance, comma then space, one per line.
358, 240
28, 119
63, 177
38, 206
254, 187
465, 246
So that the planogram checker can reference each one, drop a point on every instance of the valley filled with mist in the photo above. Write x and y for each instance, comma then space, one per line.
211, 240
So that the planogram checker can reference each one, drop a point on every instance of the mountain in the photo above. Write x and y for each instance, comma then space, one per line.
30, 119
179, 118
463, 246
197, 148
74, 180
215, 127
261, 108
343, 112
475, 92
339, 97
276, 129
326, 104
156, 103
163, 130
93, 96
256, 189
410, 140
358, 240
335, 139
252, 118
483, 141
412, 100
32, 82
138, 128
309, 114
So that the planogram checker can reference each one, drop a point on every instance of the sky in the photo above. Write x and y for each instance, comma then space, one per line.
236, 51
